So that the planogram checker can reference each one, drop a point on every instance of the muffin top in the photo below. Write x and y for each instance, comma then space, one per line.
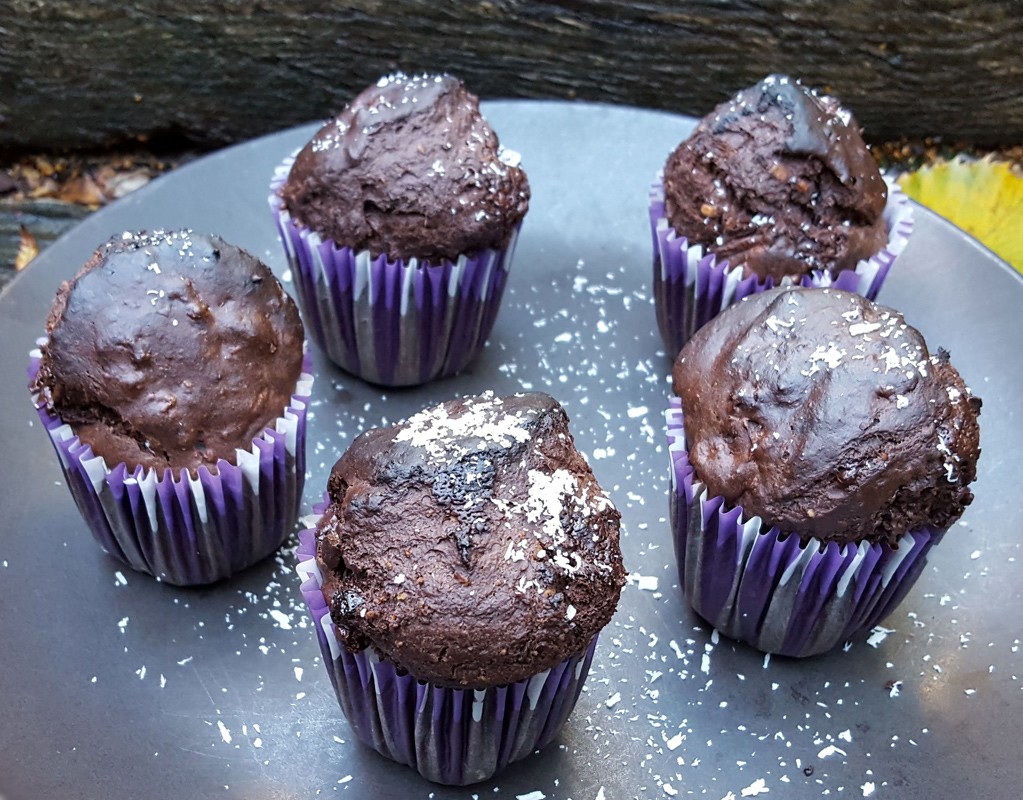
170, 349
470, 545
827, 416
778, 179
409, 169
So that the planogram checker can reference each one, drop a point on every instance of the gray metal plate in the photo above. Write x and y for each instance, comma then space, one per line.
114, 686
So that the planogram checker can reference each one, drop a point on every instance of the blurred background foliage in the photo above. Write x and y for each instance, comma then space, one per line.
982, 196
41, 197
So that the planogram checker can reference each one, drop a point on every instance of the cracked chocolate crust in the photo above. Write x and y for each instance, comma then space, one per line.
470, 545
779, 180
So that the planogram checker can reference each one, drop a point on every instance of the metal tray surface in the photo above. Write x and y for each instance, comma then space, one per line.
115, 686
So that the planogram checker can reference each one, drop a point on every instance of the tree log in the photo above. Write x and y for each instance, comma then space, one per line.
87, 73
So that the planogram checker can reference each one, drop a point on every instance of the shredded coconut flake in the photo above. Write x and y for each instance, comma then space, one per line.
437, 432
759, 786
646, 583
281, 619
774, 323
864, 327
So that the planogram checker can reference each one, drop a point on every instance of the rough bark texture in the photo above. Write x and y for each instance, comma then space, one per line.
81, 73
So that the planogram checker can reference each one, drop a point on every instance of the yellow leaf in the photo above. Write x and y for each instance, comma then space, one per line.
28, 249
983, 197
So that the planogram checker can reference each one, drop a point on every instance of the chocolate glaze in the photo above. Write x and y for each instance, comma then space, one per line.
778, 179
827, 416
470, 545
411, 169
170, 349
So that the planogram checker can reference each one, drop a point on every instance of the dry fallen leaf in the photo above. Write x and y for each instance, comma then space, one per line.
983, 197
45, 167
120, 184
28, 248
82, 190
44, 187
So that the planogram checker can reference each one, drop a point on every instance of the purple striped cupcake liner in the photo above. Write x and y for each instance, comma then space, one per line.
187, 529
449, 736
393, 323
691, 286
764, 586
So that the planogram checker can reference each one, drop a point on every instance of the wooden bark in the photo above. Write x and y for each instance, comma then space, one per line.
82, 73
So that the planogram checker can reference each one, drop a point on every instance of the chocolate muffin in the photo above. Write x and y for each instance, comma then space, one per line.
831, 446
508, 547
170, 349
421, 208
775, 187
828, 417
173, 385
469, 548
779, 180
410, 169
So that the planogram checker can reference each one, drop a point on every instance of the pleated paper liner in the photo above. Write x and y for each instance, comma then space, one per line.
767, 588
449, 736
393, 323
190, 529
691, 286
